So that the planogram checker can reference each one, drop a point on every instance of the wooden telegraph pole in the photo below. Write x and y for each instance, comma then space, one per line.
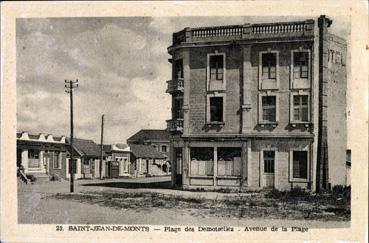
102, 147
70, 85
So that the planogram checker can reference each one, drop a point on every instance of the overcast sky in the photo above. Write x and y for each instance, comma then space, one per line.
121, 64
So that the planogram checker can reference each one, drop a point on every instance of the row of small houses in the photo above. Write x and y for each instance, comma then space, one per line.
46, 156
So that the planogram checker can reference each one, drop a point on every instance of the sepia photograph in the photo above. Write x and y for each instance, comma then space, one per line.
213, 123
180, 120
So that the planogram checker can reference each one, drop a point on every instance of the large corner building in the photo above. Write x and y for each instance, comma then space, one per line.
258, 105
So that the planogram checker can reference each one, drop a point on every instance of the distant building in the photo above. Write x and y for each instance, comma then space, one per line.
87, 158
44, 156
147, 161
159, 139
118, 162
258, 106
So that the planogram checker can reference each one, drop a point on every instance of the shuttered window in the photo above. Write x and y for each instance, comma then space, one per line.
229, 161
202, 161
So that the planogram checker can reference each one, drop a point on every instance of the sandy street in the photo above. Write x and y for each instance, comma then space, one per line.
99, 202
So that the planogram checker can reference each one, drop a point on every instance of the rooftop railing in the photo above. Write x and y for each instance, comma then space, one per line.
247, 31
235, 30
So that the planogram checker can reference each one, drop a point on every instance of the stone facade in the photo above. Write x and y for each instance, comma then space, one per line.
257, 106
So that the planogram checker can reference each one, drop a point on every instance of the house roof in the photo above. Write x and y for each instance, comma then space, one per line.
106, 147
118, 146
86, 147
145, 151
41, 137
149, 134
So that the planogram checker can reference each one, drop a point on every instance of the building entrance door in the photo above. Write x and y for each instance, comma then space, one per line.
123, 165
178, 162
114, 169
46, 162
268, 175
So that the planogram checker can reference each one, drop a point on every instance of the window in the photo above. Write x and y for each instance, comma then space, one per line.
33, 154
216, 71
216, 109
268, 108
269, 158
155, 147
178, 69
338, 58
269, 65
56, 160
300, 164
178, 157
34, 159
202, 161
216, 67
268, 70
300, 65
125, 165
229, 161
301, 108
178, 107
164, 148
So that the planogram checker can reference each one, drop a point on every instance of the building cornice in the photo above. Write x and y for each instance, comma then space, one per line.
247, 136
171, 49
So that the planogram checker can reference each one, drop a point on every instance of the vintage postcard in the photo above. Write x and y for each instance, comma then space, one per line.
184, 121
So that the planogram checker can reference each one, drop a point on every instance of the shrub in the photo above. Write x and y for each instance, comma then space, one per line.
55, 177
32, 178
274, 193
344, 191
224, 190
298, 192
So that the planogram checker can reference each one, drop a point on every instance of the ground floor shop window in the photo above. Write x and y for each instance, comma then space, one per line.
300, 164
229, 161
202, 161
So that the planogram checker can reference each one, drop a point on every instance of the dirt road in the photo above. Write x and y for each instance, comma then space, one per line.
50, 203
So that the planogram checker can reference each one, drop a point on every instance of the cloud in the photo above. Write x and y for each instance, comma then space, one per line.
121, 64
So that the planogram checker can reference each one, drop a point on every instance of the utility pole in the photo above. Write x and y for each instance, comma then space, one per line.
70, 85
102, 147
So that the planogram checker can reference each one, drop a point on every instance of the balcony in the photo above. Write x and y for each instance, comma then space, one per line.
295, 29
175, 125
175, 85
